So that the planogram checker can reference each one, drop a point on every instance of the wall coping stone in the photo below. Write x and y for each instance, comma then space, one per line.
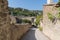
49, 4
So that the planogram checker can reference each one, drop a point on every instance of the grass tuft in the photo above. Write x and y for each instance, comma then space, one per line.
40, 28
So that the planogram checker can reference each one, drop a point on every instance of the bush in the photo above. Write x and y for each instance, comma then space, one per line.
26, 21
50, 16
37, 20
22, 21
58, 15
41, 28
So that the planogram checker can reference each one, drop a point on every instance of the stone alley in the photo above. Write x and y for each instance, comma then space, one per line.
35, 34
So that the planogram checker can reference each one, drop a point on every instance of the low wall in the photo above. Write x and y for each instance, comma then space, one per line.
52, 30
17, 31
13, 31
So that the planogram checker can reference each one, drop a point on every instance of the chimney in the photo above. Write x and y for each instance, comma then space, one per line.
49, 1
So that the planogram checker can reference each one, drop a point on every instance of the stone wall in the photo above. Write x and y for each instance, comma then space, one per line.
18, 30
9, 31
13, 19
52, 30
4, 21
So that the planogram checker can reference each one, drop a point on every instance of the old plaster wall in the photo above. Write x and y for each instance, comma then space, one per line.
52, 30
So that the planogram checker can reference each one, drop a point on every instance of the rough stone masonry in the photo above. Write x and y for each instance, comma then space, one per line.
10, 31
4, 21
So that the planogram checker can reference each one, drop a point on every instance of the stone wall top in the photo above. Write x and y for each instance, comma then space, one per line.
49, 4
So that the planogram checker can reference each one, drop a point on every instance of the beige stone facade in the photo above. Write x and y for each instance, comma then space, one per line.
51, 29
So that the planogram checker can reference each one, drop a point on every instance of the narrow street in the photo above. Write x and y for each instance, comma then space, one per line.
35, 34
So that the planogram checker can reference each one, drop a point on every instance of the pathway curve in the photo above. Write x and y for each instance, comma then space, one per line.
35, 34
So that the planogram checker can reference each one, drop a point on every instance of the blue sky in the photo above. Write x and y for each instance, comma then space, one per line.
28, 4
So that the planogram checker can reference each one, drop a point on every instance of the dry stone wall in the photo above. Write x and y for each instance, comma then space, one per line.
18, 30
10, 31
4, 21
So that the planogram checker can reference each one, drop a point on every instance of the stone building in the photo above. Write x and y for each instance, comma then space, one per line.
51, 28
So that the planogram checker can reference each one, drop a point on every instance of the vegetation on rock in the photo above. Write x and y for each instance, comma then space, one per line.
58, 15
41, 28
38, 18
50, 16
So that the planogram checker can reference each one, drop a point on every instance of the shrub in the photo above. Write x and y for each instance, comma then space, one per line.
22, 21
58, 8
58, 15
41, 28
37, 20
26, 21
50, 16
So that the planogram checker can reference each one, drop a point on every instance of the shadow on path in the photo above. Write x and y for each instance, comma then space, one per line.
35, 34
30, 35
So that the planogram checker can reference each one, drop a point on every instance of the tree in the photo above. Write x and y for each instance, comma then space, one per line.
37, 20
23, 12
58, 2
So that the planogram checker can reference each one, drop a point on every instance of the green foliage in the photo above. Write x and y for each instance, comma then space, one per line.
23, 21
50, 16
23, 12
58, 2
26, 21
37, 20
58, 15
58, 8
40, 28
